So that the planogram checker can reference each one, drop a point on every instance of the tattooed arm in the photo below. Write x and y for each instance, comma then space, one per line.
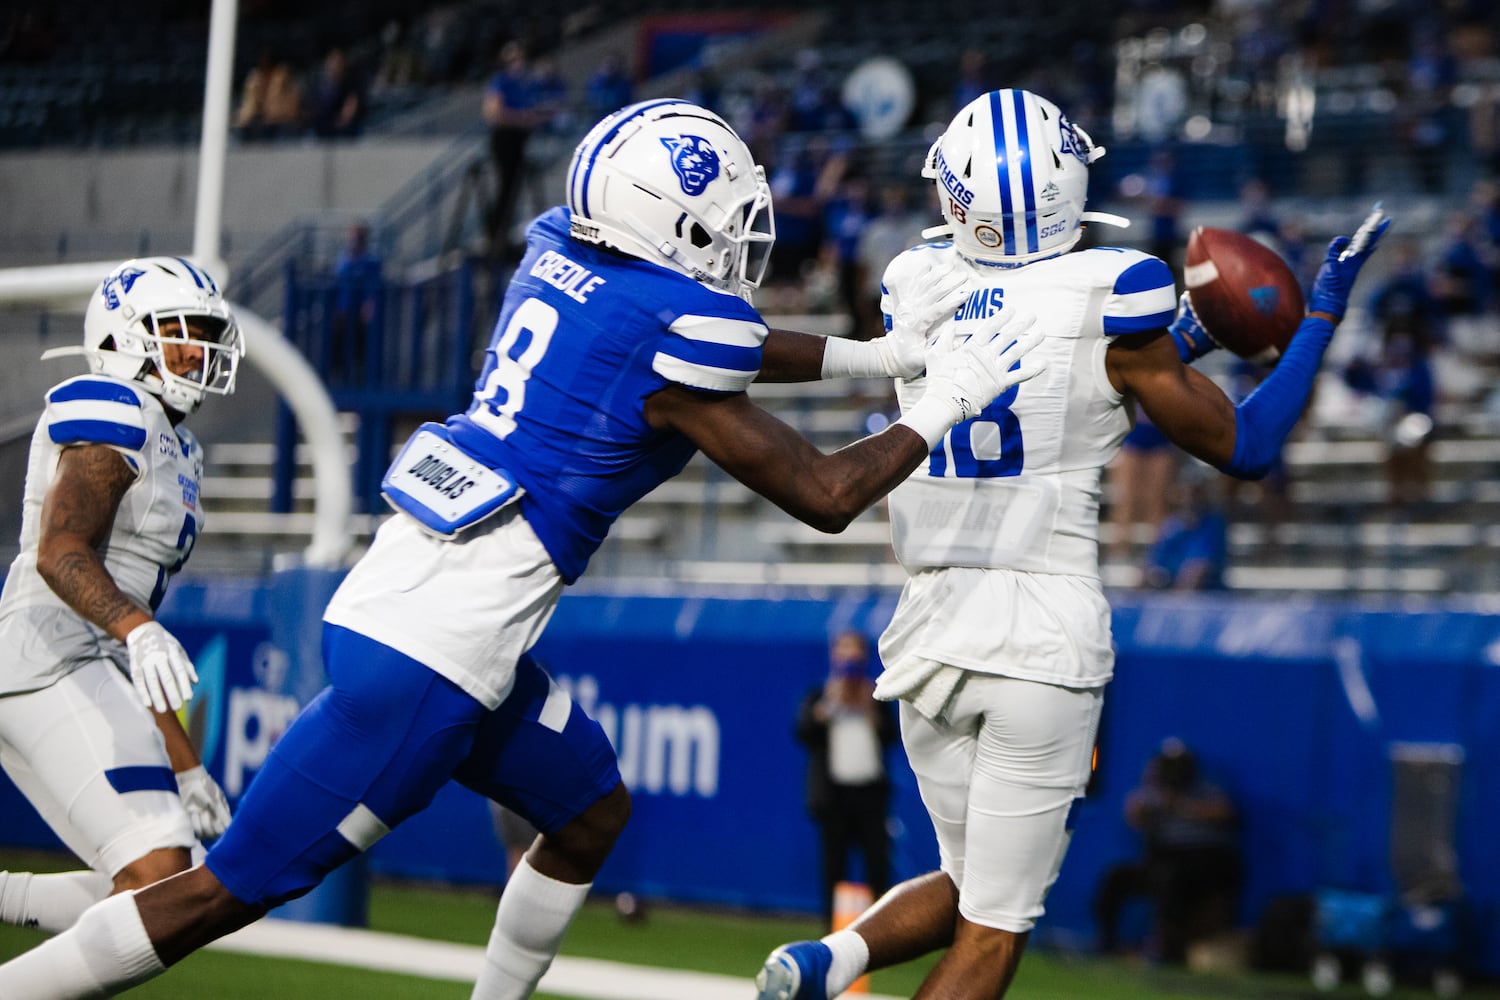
77, 515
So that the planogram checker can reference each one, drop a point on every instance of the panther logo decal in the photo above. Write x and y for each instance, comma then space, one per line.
125, 279
694, 161
1072, 142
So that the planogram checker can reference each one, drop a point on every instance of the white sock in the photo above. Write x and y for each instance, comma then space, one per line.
105, 952
50, 903
850, 957
534, 913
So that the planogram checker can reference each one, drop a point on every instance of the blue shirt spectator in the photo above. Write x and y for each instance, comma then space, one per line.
1193, 545
609, 89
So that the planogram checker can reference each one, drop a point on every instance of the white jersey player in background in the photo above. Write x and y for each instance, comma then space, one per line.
110, 512
999, 648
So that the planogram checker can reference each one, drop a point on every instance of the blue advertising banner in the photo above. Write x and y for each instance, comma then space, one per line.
1297, 708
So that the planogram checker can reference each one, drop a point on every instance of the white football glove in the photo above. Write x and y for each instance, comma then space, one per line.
937, 292
204, 801
160, 669
964, 378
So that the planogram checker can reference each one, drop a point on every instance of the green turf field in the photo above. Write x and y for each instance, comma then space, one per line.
701, 940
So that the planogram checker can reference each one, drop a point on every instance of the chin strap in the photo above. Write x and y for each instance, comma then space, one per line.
63, 352
1106, 219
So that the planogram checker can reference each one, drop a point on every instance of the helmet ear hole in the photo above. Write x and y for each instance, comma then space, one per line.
699, 236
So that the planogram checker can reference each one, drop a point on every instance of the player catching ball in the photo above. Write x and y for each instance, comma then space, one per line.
999, 648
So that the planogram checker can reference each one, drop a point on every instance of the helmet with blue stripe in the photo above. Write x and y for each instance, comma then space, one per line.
1012, 178
150, 306
671, 183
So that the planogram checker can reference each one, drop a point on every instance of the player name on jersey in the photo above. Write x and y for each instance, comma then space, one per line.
567, 276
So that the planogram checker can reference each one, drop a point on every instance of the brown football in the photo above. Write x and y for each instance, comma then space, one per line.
1245, 295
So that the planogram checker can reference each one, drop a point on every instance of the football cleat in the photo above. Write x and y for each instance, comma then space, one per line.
796, 971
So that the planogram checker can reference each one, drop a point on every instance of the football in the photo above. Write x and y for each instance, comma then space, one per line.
1245, 295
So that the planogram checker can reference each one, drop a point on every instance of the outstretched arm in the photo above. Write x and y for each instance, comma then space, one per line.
753, 446
829, 491
1243, 440
789, 356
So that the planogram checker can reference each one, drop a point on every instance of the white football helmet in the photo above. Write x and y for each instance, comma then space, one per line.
670, 182
1012, 176
123, 330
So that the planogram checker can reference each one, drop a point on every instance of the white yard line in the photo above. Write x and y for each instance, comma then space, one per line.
586, 978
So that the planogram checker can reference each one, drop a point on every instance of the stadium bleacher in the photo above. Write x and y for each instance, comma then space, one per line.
1342, 533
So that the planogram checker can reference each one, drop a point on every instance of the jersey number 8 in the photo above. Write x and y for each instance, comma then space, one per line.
503, 393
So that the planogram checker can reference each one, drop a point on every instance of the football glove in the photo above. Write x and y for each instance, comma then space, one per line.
1189, 334
1346, 255
936, 294
964, 378
204, 801
901, 353
160, 669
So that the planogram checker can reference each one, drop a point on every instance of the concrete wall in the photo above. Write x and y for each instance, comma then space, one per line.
79, 205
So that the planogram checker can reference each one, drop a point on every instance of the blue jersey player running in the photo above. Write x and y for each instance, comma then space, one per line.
625, 343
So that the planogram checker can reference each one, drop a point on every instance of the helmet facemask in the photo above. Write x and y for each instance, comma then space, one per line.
173, 341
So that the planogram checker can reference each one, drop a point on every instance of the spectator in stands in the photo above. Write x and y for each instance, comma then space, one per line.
356, 289
1257, 218
609, 88
400, 63
511, 109
847, 733
338, 98
271, 100
897, 227
1190, 867
1463, 280
1401, 378
1140, 479
1159, 189
1423, 117
1192, 547
552, 136
845, 217
802, 182
814, 102
1406, 291
439, 43
766, 121
973, 77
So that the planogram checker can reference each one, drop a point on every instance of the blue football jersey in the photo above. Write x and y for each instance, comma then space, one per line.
584, 337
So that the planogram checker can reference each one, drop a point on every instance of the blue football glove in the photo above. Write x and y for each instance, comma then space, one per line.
1346, 255
1190, 336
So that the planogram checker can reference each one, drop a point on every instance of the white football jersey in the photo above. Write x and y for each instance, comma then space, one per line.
1017, 488
41, 638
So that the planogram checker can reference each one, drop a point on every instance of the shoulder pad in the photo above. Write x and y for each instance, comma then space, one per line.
1142, 294
718, 351
97, 409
